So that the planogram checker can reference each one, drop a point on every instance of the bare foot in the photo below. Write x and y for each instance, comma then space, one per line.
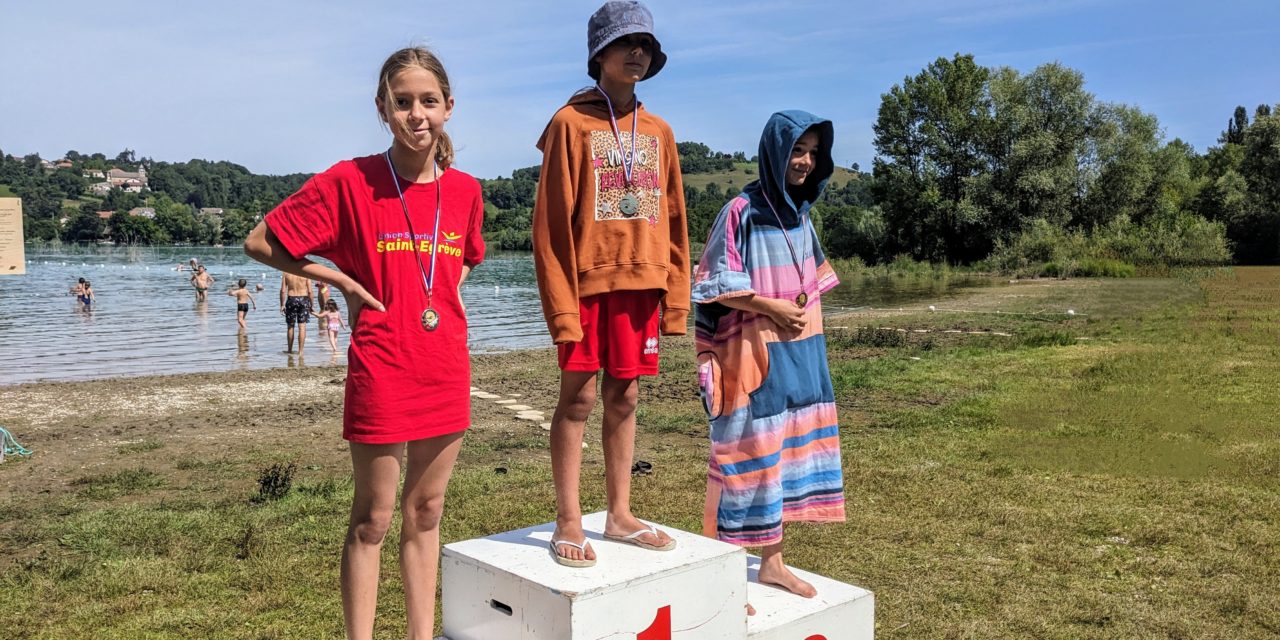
572, 533
783, 578
625, 525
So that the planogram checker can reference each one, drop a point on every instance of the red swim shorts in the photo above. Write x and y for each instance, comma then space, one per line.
619, 334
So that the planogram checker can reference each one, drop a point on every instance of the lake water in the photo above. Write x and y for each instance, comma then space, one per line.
146, 320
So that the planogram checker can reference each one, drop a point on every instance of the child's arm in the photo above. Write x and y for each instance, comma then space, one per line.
675, 305
252, 301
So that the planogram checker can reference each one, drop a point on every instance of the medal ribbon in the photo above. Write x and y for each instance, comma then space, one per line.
428, 282
627, 167
790, 247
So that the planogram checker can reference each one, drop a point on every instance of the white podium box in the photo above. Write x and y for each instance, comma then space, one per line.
839, 611
508, 587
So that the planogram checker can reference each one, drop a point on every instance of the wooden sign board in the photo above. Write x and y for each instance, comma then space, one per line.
12, 253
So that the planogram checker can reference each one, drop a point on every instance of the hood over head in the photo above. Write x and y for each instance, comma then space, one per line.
780, 135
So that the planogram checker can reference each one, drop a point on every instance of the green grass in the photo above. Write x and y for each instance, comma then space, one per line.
1111, 474
7, 192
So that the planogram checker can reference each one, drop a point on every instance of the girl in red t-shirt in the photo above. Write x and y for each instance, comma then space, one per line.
403, 229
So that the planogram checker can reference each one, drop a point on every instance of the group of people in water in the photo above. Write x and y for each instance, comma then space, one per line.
296, 303
402, 228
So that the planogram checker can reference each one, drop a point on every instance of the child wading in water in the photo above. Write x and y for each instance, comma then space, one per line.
762, 356
611, 249
401, 226
243, 300
330, 321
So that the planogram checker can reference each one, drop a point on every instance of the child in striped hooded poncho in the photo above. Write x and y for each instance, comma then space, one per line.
762, 355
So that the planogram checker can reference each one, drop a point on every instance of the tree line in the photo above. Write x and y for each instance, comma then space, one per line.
974, 164
56, 205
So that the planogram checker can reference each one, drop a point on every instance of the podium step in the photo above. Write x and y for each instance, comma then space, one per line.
839, 611
508, 587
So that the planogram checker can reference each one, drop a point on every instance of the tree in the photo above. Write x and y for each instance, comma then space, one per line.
1236, 127
929, 134
85, 227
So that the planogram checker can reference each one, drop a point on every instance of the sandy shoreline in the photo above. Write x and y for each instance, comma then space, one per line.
80, 428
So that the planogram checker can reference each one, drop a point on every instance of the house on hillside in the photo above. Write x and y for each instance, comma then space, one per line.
63, 164
93, 173
133, 186
145, 212
126, 179
100, 188
105, 215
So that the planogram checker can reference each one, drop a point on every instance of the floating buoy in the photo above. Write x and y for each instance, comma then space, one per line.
932, 308
1071, 312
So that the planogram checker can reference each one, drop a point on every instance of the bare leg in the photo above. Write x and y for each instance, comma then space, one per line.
577, 397
240, 318
774, 572
620, 397
302, 335
289, 333
376, 470
333, 340
430, 462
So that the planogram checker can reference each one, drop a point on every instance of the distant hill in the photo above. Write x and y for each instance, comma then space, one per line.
744, 172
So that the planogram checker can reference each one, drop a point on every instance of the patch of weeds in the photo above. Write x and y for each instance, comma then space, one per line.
121, 483
247, 544
193, 464
275, 481
1045, 338
139, 447
868, 337
676, 421
326, 488
523, 442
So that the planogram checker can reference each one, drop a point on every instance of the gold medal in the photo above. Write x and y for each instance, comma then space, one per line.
802, 300
430, 319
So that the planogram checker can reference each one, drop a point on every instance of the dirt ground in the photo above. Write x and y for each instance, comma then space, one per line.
81, 429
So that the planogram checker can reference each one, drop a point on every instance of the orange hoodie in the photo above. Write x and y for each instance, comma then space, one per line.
592, 232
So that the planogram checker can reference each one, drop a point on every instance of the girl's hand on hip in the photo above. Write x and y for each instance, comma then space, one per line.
357, 299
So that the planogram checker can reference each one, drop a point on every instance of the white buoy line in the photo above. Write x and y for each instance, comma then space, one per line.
936, 309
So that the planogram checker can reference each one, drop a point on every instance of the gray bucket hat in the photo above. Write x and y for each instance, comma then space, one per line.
613, 20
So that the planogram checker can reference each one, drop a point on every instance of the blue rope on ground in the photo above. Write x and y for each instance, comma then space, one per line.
10, 445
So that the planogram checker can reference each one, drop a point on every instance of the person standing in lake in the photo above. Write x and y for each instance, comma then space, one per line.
762, 355
201, 280
402, 227
611, 251
295, 304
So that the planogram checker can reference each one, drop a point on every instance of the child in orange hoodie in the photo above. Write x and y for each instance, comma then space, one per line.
611, 248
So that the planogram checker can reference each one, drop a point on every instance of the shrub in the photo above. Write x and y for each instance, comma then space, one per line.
275, 481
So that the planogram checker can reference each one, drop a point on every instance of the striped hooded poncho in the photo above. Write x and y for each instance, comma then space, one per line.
775, 446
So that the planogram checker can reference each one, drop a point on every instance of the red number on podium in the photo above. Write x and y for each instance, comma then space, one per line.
661, 627
816, 637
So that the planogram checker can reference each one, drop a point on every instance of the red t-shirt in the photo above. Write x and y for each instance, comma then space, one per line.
403, 382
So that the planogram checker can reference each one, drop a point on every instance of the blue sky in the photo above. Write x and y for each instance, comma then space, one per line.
283, 86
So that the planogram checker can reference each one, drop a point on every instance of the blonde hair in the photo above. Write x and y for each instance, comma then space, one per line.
422, 58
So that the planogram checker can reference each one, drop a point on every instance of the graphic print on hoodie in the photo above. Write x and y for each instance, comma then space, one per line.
612, 189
